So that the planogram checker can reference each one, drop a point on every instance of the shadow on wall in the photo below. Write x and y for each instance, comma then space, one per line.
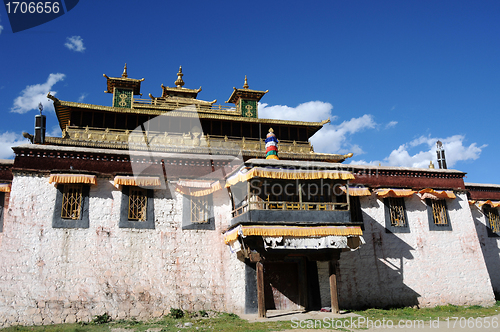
489, 248
372, 276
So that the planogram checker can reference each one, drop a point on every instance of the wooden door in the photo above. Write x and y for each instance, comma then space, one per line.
282, 287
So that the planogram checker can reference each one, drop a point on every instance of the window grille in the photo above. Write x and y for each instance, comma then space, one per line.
493, 219
397, 211
439, 212
137, 204
199, 209
72, 201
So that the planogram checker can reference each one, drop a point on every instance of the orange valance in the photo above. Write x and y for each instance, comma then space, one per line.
138, 181
490, 203
293, 231
434, 194
247, 173
358, 191
5, 187
383, 193
211, 187
72, 178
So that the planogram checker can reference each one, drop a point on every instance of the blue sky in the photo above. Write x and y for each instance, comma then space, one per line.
393, 76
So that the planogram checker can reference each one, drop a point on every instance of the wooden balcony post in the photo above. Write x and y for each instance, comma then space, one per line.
260, 290
332, 265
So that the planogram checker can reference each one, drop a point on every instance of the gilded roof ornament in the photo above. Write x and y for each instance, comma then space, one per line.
179, 82
125, 75
245, 86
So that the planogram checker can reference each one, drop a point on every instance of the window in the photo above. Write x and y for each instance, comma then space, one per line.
437, 211
356, 214
198, 212
137, 208
72, 206
395, 215
493, 220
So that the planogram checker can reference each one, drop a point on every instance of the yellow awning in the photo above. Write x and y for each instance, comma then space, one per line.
5, 187
294, 231
139, 181
472, 202
72, 178
435, 194
213, 187
358, 191
490, 203
247, 173
383, 193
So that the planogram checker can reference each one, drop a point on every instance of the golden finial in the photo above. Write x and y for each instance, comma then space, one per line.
431, 165
245, 86
271, 130
125, 75
179, 82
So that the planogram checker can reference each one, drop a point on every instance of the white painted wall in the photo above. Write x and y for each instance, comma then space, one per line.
423, 267
52, 275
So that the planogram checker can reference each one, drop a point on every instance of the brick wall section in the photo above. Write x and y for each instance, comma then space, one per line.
424, 268
52, 275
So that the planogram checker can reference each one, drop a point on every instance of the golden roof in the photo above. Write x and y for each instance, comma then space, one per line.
123, 82
245, 93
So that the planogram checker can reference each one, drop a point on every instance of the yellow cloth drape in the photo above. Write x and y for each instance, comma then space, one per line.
490, 203
434, 194
358, 191
5, 187
383, 193
72, 178
246, 174
139, 181
294, 231
201, 192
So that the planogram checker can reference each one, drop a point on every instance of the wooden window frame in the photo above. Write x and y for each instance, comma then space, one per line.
492, 220
2, 209
433, 206
125, 221
187, 212
59, 219
393, 206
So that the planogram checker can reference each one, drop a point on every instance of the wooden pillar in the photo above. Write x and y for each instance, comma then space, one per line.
332, 266
260, 290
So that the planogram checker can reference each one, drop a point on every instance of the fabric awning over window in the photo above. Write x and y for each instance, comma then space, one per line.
5, 187
247, 173
435, 194
294, 231
490, 203
355, 191
383, 193
195, 187
72, 178
139, 181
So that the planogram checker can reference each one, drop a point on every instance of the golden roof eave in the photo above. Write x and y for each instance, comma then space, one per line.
179, 113
177, 89
233, 98
135, 84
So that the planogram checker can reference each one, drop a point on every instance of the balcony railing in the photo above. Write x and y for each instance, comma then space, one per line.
290, 206
179, 105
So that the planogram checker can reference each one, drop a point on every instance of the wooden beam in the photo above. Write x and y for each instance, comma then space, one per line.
260, 290
332, 265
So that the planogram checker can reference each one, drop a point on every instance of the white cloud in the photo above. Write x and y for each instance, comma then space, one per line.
454, 147
312, 111
1, 28
54, 132
82, 97
7, 141
391, 124
75, 43
334, 138
32, 95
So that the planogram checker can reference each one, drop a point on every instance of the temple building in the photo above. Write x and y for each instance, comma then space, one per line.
176, 202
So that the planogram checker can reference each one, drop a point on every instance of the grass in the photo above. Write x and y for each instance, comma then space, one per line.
212, 321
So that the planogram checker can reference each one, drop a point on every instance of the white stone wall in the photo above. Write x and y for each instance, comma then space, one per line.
50, 275
423, 267
490, 247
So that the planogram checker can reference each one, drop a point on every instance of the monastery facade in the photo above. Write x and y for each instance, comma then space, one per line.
175, 202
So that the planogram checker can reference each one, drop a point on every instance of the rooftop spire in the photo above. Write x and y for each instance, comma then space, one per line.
245, 86
125, 75
179, 82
